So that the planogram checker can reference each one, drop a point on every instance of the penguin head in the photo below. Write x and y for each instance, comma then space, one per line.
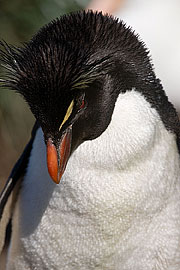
71, 73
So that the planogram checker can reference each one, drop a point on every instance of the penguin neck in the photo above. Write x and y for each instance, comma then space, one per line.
131, 134
115, 173
134, 130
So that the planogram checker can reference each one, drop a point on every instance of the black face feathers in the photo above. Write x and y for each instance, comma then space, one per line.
71, 53
64, 56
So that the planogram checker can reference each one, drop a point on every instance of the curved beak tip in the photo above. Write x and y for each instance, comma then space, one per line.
57, 158
52, 161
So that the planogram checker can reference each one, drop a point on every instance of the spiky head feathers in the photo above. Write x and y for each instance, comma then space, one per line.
64, 57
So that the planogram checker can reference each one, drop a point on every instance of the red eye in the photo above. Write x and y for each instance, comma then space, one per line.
82, 104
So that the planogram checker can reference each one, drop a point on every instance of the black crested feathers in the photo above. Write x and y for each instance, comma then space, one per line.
69, 53
66, 54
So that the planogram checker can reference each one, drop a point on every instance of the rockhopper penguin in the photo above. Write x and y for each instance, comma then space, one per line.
106, 129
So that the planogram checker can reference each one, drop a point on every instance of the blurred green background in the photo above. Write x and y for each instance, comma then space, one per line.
19, 20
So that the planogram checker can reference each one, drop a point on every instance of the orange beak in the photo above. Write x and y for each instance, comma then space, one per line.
57, 158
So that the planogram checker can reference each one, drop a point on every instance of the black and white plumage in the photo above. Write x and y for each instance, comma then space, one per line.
102, 112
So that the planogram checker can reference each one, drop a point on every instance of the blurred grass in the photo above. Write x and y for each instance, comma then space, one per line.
19, 20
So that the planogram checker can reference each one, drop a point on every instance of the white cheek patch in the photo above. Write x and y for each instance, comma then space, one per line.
68, 114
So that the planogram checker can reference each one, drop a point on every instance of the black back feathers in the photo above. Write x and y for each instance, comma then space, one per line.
10, 192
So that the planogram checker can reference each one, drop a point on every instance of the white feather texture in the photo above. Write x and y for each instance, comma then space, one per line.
117, 206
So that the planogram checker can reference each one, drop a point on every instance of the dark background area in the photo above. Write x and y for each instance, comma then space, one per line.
19, 20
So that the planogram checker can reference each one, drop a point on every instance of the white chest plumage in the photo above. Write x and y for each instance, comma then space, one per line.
117, 206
